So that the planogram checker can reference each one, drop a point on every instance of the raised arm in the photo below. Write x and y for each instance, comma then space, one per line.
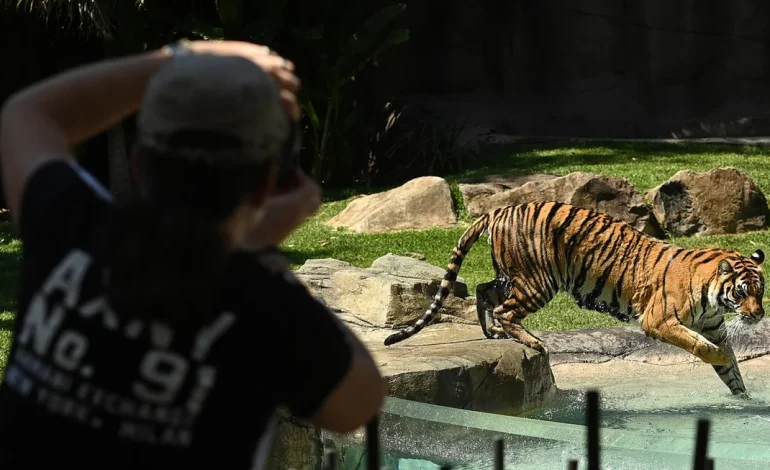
45, 120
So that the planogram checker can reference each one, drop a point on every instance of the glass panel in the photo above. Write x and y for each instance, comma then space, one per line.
420, 436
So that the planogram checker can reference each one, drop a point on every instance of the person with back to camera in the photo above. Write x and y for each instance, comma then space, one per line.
166, 333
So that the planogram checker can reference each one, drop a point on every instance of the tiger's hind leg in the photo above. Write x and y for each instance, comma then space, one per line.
489, 296
514, 310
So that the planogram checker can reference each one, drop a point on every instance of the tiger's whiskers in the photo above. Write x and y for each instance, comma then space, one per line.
734, 326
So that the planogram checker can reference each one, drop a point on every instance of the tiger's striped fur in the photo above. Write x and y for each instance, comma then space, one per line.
679, 296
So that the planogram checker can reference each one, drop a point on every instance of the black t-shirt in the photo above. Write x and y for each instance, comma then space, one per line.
89, 387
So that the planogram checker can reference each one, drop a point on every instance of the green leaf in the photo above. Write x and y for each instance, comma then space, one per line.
230, 12
350, 121
268, 26
310, 112
363, 39
263, 31
395, 37
330, 76
199, 28
309, 34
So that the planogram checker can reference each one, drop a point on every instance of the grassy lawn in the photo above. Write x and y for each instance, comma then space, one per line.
644, 165
9, 265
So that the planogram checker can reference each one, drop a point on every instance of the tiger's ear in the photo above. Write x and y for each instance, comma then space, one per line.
724, 267
758, 256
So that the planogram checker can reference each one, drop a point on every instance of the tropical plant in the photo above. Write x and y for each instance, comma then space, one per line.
88, 16
331, 42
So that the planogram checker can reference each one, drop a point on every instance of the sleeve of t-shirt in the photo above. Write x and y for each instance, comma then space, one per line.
57, 201
314, 352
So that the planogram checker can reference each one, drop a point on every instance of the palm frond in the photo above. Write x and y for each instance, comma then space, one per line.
87, 16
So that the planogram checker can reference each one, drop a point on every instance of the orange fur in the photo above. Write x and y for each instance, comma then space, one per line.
677, 295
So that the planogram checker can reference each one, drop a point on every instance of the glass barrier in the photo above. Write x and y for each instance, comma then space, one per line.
417, 435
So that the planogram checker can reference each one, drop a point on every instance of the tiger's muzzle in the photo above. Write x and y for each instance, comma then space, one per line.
751, 311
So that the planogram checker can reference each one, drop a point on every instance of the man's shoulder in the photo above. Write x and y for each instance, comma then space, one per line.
267, 265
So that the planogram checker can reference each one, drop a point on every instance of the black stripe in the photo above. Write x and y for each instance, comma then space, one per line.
587, 261
585, 228
599, 287
573, 211
626, 264
660, 254
713, 255
704, 299
665, 272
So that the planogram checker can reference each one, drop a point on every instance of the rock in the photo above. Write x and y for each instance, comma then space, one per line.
447, 365
629, 343
296, 445
610, 195
721, 201
421, 203
749, 340
454, 365
477, 191
394, 292
594, 345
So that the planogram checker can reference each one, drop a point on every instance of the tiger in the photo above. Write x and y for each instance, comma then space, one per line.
678, 296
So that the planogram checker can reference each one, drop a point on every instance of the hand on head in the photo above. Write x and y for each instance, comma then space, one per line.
303, 199
280, 69
283, 211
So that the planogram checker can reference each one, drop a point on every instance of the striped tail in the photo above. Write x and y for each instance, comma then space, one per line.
461, 250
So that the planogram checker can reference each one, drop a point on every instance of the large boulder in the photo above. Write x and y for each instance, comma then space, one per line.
421, 203
395, 291
630, 343
721, 201
478, 192
611, 195
454, 365
449, 365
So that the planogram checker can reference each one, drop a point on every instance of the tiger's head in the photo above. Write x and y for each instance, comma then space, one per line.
742, 286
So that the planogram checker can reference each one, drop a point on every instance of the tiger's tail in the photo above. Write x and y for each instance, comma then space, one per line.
464, 245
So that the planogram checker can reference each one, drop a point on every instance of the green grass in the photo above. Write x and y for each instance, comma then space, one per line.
10, 252
645, 165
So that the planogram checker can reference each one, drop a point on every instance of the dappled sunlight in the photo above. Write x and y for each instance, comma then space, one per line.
645, 165
6, 328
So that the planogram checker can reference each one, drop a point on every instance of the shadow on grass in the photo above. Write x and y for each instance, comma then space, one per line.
298, 257
6, 324
546, 157
7, 232
10, 259
526, 157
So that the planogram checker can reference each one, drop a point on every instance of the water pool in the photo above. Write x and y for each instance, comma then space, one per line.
422, 436
649, 416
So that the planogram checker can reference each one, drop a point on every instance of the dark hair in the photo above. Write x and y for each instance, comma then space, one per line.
166, 252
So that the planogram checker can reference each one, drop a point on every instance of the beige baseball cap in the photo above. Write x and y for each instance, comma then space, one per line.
221, 93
